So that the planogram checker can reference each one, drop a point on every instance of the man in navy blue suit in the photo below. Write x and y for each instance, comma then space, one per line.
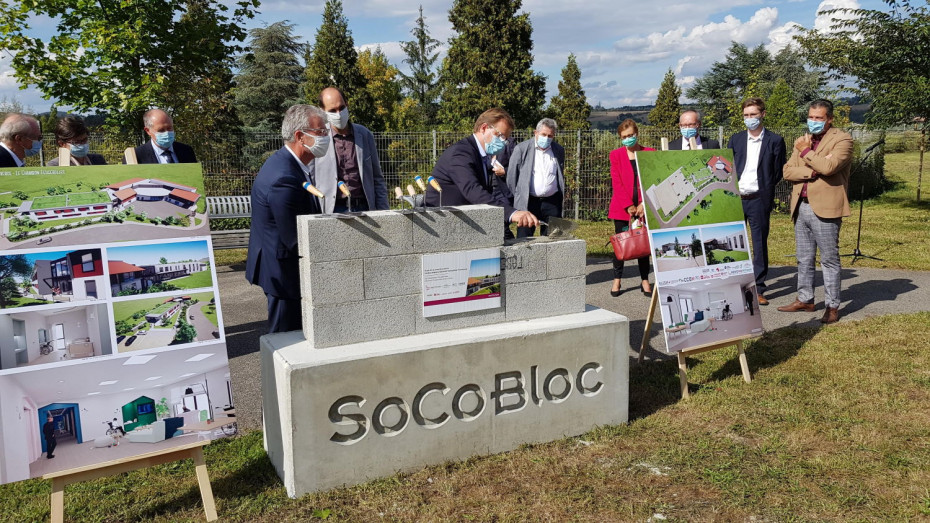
759, 156
278, 197
464, 170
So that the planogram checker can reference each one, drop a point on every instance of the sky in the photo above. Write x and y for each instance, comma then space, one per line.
623, 49
151, 254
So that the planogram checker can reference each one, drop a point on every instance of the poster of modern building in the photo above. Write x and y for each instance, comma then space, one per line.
161, 320
159, 267
44, 277
700, 248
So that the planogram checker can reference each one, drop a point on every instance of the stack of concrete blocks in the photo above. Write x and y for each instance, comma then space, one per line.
371, 387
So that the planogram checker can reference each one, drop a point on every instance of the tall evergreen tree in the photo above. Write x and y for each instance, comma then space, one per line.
490, 63
421, 84
664, 117
269, 76
781, 110
382, 86
333, 61
570, 107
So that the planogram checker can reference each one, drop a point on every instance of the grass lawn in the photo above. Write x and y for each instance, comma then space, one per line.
194, 281
19, 301
48, 224
168, 323
720, 254
123, 310
834, 427
50, 202
210, 312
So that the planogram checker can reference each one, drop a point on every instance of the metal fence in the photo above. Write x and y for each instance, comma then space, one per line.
230, 164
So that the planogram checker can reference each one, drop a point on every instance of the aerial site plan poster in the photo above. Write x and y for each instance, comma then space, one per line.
111, 330
700, 247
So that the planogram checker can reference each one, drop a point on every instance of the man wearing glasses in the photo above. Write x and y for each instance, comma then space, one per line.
278, 197
19, 137
465, 173
689, 123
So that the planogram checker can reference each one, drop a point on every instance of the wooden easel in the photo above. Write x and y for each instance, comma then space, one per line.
682, 365
194, 451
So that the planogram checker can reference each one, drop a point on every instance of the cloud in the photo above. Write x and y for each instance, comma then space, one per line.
824, 22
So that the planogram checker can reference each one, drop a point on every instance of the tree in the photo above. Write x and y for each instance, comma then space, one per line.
885, 54
186, 332
570, 107
383, 89
421, 84
490, 64
664, 117
269, 76
118, 56
333, 61
163, 260
11, 266
781, 110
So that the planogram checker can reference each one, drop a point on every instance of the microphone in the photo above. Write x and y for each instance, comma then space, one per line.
874, 145
434, 184
345, 190
419, 180
312, 190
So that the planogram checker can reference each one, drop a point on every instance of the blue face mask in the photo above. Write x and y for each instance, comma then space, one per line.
164, 139
79, 151
815, 126
752, 123
543, 142
35, 149
688, 132
629, 141
495, 146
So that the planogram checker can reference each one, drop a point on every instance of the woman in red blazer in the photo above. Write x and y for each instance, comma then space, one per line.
625, 184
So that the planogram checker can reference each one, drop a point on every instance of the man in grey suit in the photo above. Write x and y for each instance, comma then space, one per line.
353, 159
535, 176
690, 125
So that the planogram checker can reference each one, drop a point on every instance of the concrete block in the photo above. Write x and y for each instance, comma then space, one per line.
473, 227
358, 321
459, 321
566, 258
524, 261
545, 298
378, 233
326, 283
393, 276
361, 411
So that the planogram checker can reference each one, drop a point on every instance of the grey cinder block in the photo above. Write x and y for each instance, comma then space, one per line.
360, 321
545, 298
474, 227
566, 258
524, 261
392, 276
331, 282
379, 233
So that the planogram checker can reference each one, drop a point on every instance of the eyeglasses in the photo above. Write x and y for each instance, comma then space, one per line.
316, 132
689, 125
497, 133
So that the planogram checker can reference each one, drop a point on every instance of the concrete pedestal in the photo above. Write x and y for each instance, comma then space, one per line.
351, 413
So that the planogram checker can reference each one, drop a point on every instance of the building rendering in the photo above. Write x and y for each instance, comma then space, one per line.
77, 275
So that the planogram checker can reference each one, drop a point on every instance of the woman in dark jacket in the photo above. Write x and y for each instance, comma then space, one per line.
72, 133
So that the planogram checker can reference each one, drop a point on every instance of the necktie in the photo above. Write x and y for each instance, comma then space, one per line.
169, 158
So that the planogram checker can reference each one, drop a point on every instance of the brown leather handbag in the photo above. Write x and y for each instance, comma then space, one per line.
631, 245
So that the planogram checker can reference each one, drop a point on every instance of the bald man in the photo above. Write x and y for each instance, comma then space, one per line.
161, 148
352, 159
20, 137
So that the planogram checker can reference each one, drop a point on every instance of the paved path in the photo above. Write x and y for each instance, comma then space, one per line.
866, 292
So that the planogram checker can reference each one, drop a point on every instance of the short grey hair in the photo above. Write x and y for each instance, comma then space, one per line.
296, 118
14, 125
148, 119
691, 111
548, 122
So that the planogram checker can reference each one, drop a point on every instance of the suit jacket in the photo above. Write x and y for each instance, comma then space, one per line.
520, 170
6, 158
464, 179
369, 168
278, 197
832, 161
145, 153
675, 145
772, 158
622, 182
95, 159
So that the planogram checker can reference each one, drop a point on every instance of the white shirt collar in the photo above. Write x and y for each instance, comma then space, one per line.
306, 168
756, 139
480, 146
159, 151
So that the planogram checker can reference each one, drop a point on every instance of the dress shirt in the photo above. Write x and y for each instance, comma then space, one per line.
308, 169
159, 151
346, 163
686, 143
749, 179
484, 158
544, 179
19, 163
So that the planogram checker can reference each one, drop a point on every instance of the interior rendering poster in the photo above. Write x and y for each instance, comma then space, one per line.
700, 247
111, 329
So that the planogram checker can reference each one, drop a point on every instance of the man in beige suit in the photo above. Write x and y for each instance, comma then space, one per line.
819, 171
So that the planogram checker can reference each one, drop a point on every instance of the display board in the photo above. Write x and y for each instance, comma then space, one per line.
110, 319
700, 247
462, 281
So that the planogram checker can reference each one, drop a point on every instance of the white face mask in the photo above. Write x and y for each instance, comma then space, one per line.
319, 147
339, 120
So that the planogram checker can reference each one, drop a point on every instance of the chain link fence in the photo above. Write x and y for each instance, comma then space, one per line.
230, 164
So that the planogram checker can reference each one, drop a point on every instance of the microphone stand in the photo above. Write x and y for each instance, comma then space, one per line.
856, 254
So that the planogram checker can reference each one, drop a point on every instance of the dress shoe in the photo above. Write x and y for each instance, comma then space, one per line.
616, 293
831, 315
646, 293
797, 306
762, 300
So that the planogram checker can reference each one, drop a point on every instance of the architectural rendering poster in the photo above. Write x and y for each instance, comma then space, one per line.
700, 247
111, 331
461, 281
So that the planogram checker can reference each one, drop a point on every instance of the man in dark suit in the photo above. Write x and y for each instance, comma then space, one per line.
162, 148
536, 176
20, 137
278, 197
759, 156
464, 169
690, 125
48, 430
